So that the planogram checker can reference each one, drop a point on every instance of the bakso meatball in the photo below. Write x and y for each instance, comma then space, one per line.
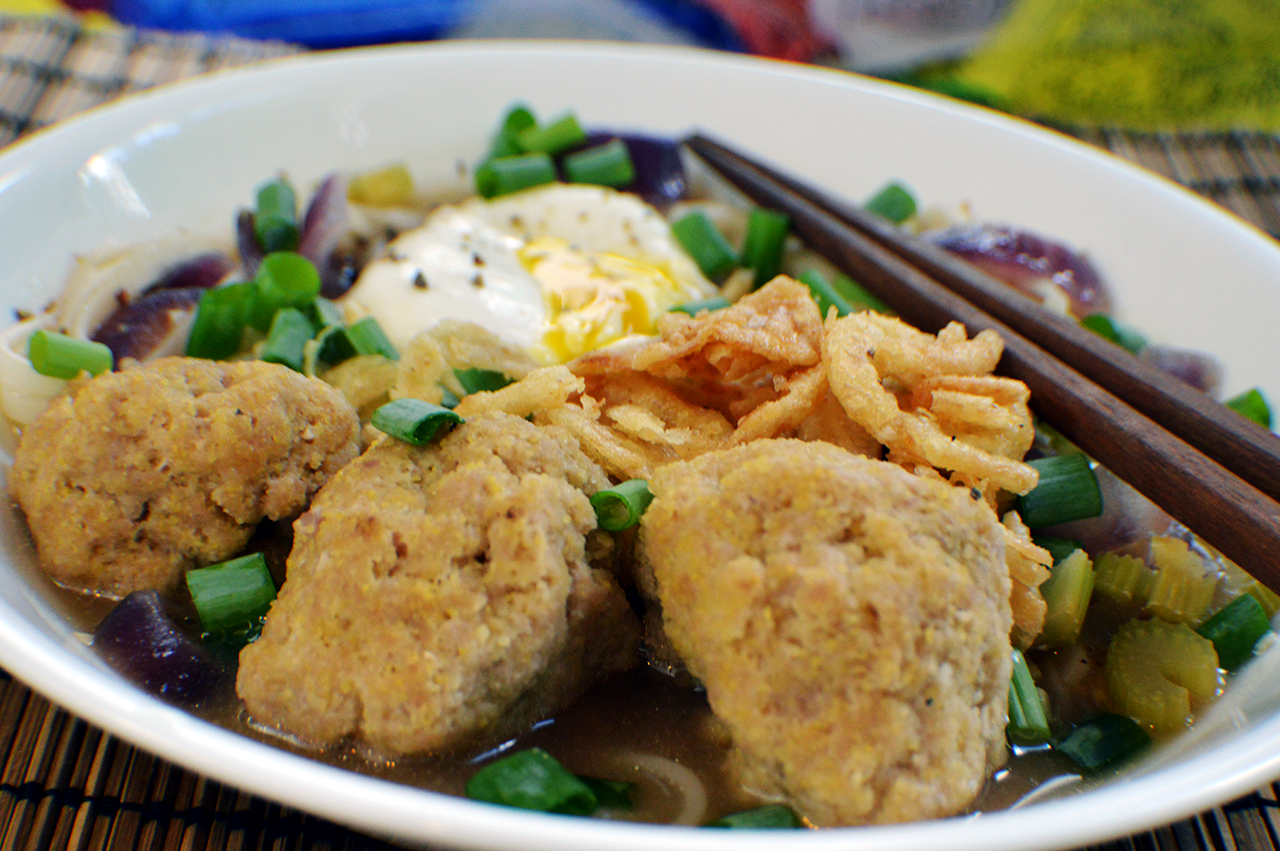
133, 477
441, 596
849, 620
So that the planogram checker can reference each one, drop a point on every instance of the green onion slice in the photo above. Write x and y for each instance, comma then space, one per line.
414, 421
1103, 741
768, 817
504, 175
217, 331
61, 356
1028, 725
532, 780
275, 223
693, 308
859, 296
1235, 630
233, 594
621, 506
1068, 490
517, 119
287, 340
1253, 405
367, 338
824, 293
893, 202
704, 242
284, 279
603, 165
481, 380
554, 138
1059, 548
762, 248
1122, 335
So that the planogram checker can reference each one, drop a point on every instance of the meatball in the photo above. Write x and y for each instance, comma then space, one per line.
849, 620
442, 596
131, 478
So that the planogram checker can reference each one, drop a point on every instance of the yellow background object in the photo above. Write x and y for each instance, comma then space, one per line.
1138, 64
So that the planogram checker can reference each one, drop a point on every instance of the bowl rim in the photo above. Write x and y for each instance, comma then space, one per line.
408, 814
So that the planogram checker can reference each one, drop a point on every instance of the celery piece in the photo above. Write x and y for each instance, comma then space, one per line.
1121, 578
1067, 592
1158, 672
1182, 587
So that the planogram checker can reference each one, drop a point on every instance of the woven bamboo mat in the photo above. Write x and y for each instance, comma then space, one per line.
65, 784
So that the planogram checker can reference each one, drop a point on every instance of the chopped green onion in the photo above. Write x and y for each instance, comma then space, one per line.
448, 399
1028, 724
894, 202
333, 346
1103, 741
693, 308
323, 312
61, 356
286, 342
505, 175
1066, 593
768, 817
233, 594
518, 118
532, 780
705, 243
824, 293
620, 506
1122, 335
859, 296
275, 223
414, 421
1253, 405
284, 279
481, 380
368, 338
1068, 490
1059, 548
615, 794
603, 165
217, 331
1235, 630
762, 247
554, 138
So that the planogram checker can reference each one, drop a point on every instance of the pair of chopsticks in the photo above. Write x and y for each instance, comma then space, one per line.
1207, 466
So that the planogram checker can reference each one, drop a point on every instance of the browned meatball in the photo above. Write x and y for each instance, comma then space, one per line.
133, 477
442, 595
849, 620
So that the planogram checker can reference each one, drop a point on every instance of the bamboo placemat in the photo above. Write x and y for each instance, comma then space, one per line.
65, 784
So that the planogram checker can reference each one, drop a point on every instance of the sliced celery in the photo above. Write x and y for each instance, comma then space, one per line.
1158, 672
1066, 592
1182, 587
1121, 578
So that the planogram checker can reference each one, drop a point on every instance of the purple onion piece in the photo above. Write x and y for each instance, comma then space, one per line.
1196, 368
200, 272
324, 224
1023, 259
660, 177
251, 253
141, 641
138, 327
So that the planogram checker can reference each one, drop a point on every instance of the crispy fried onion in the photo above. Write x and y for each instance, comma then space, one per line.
932, 400
1028, 569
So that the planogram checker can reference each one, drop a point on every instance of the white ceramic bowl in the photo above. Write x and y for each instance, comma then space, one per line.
186, 156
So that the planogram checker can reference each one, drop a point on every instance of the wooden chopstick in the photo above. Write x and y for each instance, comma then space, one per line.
1222, 507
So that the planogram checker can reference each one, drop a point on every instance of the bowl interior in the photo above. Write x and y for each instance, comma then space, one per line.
186, 157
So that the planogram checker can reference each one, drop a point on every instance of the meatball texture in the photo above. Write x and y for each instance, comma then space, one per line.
442, 596
849, 620
132, 478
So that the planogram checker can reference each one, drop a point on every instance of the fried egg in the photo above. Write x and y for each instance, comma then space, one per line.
559, 270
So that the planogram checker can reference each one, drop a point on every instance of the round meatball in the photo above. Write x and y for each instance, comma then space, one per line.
440, 596
132, 478
849, 620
